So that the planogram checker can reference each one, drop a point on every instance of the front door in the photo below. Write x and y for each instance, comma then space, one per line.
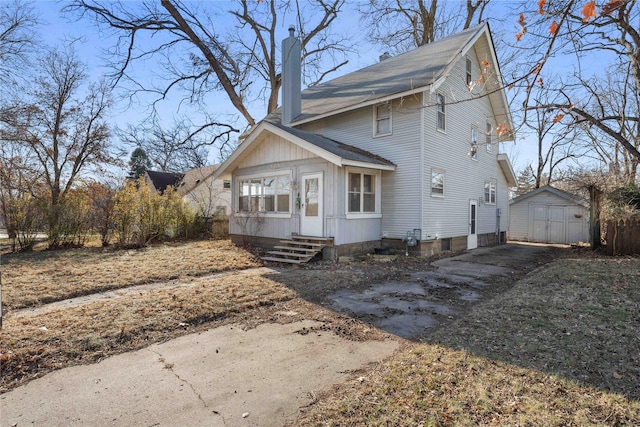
311, 214
472, 238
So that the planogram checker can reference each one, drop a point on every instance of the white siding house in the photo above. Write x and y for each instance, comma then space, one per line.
549, 215
406, 148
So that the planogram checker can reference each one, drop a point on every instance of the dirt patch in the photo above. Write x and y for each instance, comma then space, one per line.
559, 347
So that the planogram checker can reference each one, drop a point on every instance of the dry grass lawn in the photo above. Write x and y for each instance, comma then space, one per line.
558, 348
42, 277
561, 348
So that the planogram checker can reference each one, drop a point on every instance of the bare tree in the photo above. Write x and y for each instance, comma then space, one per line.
555, 140
613, 96
404, 25
65, 133
18, 24
178, 147
198, 58
579, 28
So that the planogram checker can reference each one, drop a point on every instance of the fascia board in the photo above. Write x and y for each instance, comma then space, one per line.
368, 165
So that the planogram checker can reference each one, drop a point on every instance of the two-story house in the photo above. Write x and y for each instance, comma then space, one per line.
403, 153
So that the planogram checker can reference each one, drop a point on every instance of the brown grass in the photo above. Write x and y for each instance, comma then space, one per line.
40, 277
560, 348
33, 346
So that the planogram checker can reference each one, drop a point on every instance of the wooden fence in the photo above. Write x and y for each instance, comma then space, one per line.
623, 237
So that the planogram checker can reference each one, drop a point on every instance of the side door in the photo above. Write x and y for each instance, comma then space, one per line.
472, 237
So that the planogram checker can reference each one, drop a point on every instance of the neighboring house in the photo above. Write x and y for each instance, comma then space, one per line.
405, 148
549, 215
204, 194
159, 181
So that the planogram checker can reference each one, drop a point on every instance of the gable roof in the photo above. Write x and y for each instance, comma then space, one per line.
194, 177
406, 74
161, 180
333, 151
555, 191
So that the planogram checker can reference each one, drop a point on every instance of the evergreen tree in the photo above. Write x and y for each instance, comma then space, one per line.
139, 163
526, 181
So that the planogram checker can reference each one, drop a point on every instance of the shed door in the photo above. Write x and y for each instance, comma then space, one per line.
311, 217
557, 221
539, 215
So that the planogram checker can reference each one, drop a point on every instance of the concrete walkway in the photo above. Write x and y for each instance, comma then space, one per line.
228, 376
222, 377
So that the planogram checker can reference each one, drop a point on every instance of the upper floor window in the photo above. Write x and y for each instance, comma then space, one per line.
437, 183
270, 194
226, 183
362, 192
382, 119
440, 101
474, 143
468, 70
488, 136
490, 192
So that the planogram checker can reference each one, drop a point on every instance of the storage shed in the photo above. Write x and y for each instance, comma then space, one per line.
549, 215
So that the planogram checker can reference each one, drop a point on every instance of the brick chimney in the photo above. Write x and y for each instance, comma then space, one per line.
291, 103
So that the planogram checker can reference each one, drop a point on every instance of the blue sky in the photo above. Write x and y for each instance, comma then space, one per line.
90, 45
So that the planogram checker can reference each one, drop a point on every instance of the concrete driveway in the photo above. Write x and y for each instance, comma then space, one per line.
229, 376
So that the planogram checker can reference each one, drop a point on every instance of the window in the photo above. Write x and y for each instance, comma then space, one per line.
382, 121
362, 192
441, 113
487, 137
264, 194
490, 192
437, 183
226, 183
474, 143
468, 69
220, 211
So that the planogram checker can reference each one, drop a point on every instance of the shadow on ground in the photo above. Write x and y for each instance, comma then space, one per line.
484, 302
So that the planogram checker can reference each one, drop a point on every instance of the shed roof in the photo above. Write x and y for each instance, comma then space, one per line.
555, 191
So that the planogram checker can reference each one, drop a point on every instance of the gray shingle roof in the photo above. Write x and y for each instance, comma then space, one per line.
560, 193
415, 69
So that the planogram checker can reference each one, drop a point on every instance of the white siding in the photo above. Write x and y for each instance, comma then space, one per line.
574, 226
401, 188
450, 151
208, 195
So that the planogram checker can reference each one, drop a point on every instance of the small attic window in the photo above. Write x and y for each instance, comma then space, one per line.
468, 69
226, 183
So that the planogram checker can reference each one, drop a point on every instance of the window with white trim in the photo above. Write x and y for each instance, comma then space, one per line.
437, 183
362, 191
382, 119
487, 137
468, 70
440, 106
490, 192
474, 143
270, 194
